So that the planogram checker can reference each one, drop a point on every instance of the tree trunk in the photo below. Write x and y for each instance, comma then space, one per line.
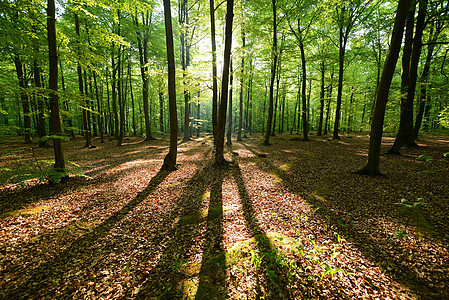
214, 69
53, 85
170, 159
42, 128
142, 41
273, 76
342, 49
86, 125
229, 142
328, 106
99, 108
433, 35
305, 125
242, 73
121, 101
372, 166
24, 99
320, 124
405, 136
219, 151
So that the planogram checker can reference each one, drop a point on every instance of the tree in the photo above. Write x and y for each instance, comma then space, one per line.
405, 136
273, 76
170, 159
142, 40
372, 166
214, 69
347, 16
219, 157
53, 85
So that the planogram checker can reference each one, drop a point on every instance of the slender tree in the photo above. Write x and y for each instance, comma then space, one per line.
219, 151
53, 84
170, 159
273, 76
372, 166
228, 141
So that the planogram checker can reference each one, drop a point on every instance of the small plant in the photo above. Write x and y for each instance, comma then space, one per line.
446, 155
414, 210
176, 265
400, 234
428, 159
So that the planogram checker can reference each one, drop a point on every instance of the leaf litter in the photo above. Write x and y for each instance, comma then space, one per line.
293, 223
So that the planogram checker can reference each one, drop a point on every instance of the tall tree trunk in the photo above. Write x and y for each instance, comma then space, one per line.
170, 159
273, 75
343, 37
372, 166
114, 93
121, 101
229, 142
53, 85
214, 69
242, 75
278, 80
161, 110
351, 101
66, 104
328, 106
219, 151
24, 99
433, 35
305, 125
320, 124
99, 108
82, 90
142, 40
405, 136
42, 128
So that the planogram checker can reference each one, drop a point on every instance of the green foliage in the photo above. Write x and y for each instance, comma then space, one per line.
444, 117
415, 211
428, 159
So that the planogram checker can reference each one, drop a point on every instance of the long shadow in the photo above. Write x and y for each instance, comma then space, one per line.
212, 274
381, 253
14, 200
275, 275
165, 281
44, 277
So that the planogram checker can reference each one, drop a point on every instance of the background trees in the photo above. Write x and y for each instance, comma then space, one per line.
302, 66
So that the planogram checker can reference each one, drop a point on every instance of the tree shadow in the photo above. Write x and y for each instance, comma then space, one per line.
274, 275
212, 273
44, 277
169, 278
391, 256
18, 199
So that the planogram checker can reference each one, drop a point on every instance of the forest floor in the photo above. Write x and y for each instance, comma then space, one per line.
286, 221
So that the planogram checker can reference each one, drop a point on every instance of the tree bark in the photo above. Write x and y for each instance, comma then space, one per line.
273, 76
372, 166
229, 142
53, 85
320, 124
242, 74
170, 159
219, 151
405, 136
214, 69
305, 125
142, 41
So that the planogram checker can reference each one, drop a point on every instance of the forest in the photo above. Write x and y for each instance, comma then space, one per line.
235, 149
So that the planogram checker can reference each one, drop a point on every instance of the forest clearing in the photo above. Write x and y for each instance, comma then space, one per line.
286, 221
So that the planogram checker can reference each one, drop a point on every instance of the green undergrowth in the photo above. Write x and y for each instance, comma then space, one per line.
276, 260
26, 212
